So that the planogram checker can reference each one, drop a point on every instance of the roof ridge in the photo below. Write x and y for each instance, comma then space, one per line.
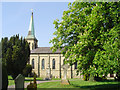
44, 50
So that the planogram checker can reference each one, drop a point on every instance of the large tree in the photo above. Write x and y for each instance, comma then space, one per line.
4, 74
15, 54
84, 33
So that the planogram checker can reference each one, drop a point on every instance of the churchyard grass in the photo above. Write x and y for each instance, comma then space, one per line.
10, 81
27, 79
9, 77
77, 83
56, 79
31, 78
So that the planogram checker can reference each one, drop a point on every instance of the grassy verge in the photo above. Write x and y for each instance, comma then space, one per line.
53, 85
10, 81
56, 79
106, 85
75, 83
27, 79
32, 78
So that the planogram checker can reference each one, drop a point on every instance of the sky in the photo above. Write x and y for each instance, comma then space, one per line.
16, 19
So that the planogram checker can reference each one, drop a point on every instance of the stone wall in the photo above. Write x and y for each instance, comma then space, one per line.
55, 73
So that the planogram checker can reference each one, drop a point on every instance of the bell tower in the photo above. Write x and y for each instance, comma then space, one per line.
31, 39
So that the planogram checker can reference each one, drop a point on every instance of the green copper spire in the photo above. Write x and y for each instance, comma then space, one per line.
31, 33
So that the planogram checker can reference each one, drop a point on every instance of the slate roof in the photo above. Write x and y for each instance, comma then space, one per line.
44, 50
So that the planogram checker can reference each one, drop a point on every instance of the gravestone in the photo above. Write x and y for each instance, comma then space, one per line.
48, 74
64, 79
19, 82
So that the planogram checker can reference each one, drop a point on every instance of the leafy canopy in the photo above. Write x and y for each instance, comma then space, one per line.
89, 35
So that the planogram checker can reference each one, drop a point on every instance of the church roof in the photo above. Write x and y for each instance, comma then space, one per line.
44, 50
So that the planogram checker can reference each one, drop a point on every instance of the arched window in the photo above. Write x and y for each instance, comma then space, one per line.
33, 64
43, 64
75, 65
53, 64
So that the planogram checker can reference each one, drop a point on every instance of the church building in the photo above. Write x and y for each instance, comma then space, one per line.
44, 62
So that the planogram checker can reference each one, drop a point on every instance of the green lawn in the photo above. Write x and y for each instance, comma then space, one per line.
85, 85
75, 83
10, 81
27, 79
9, 77
31, 78
56, 79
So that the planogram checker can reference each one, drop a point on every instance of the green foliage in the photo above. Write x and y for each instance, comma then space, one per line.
89, 33
15, 54
4, 78
27, 70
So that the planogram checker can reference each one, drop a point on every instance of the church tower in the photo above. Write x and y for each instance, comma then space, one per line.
31, 39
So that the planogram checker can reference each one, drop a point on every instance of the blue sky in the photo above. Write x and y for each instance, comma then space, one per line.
16, 19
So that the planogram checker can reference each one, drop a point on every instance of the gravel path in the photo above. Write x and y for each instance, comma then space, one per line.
25, 84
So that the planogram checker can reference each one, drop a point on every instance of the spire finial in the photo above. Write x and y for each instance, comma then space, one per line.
32, 11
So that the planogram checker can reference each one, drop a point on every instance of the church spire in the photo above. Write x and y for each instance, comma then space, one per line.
31, 26
31, 39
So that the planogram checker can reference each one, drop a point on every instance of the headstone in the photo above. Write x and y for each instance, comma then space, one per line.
19, 82
48, 74
64, 79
